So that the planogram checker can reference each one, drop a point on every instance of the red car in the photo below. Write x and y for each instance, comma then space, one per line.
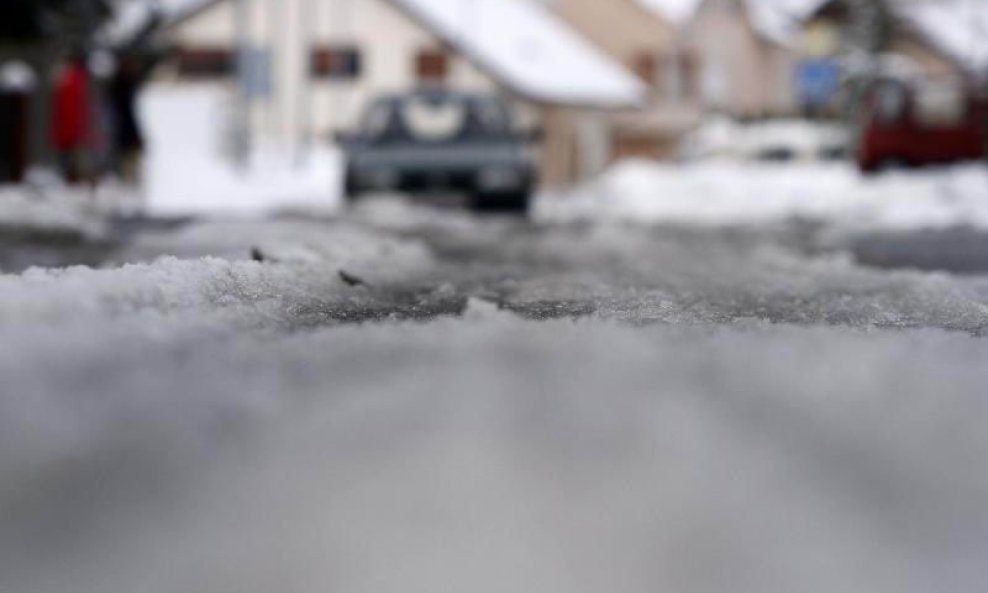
913, 124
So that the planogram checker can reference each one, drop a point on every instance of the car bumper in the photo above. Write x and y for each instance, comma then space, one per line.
492, 180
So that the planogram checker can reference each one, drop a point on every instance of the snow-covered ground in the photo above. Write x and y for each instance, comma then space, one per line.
621, 395
492, 454
713, 193
696, 411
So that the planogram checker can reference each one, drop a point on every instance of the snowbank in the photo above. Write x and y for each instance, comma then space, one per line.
190, 172
234, 291
722, 137
734, 193
46, 207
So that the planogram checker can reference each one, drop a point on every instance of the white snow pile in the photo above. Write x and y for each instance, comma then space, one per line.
529, 50
190, 169
725, 138
301, 266
279, 240
57, 210
726, 193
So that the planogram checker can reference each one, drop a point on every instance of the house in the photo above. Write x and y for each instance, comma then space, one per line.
929, 39
648, 45
734, 57
748, 62
311, 66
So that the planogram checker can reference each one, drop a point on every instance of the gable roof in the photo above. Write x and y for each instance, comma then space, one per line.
529, 50
522, 45
774, 20
957, 29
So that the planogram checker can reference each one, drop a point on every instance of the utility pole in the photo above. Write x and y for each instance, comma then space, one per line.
871, 23
304, 111
869, 30
241, 133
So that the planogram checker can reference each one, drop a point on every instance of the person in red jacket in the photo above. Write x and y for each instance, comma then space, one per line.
70, 115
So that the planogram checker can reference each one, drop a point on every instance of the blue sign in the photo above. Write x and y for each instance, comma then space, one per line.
817, 81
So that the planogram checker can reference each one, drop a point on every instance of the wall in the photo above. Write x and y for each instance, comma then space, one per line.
387, 39
743, 74
621, 28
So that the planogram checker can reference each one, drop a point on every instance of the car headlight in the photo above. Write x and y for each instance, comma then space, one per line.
499, 179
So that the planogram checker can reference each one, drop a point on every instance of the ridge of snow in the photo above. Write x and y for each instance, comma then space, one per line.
718, 193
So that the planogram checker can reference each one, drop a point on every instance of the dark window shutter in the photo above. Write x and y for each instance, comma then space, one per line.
336, 63
432, 65
202, 62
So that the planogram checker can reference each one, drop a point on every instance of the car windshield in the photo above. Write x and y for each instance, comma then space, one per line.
436, 118
940, 105
433, 119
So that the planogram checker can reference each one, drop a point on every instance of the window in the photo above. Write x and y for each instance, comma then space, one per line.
941, 105
676, 76
689, 66
432, 65
336, 63
204, 62
646, 67
891, 102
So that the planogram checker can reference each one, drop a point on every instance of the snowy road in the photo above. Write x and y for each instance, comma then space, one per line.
413, 400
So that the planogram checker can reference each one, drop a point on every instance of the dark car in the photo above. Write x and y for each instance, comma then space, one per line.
440, 141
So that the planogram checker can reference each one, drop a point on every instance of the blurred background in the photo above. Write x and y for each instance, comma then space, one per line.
182, 106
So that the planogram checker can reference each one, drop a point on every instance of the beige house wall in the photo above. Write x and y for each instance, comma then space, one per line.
300, 110
388, 43
743, 73
621, 28
931, 62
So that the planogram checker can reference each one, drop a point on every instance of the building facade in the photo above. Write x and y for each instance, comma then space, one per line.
313, 65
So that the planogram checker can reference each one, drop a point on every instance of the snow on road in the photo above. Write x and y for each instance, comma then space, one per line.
697, 411
496, 454
719, 193
702, 406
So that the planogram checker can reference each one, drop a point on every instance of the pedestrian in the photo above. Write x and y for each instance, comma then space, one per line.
128, 138
70, 115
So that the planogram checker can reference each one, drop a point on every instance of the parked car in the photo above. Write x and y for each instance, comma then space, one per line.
919, 123
441, 141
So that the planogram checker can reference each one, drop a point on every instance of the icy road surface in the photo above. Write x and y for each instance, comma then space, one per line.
416, 401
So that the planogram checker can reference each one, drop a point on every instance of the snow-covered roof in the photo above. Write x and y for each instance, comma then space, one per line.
779, 20
776, 20
676, 12
958, 28
529, 50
